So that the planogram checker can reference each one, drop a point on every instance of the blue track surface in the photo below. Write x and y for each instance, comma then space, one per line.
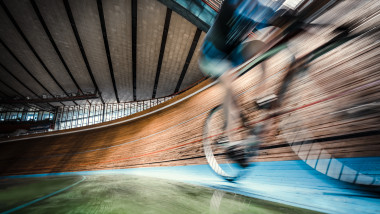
288, 182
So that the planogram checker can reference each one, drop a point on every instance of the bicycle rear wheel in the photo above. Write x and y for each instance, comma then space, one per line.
215, 145
332, 115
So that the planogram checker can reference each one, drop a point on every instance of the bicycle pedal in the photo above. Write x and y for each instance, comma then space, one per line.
222, 141
238, 155
266, 101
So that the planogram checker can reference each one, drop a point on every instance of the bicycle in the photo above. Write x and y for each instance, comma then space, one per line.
284, 113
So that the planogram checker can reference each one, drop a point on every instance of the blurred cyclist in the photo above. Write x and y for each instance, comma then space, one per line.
227, 45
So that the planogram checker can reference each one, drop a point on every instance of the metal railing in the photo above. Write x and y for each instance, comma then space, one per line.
84, 115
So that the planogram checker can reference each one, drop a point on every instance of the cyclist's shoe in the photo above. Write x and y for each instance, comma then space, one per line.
242, 151
238, 155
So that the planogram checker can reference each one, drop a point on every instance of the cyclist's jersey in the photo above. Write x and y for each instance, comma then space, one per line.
235, 21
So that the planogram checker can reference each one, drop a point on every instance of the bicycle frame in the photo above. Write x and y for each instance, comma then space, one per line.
279, 43
300, 63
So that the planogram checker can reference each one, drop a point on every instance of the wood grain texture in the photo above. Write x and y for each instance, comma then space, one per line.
318, 119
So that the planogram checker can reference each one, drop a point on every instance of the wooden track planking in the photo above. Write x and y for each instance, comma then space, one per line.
173, 136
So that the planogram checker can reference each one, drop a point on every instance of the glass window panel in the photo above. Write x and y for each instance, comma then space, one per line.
29, 116
195, 9
114, 111
86, 112
74, 114
146, 104
98, 110
126, 110
68, 124
154, 102
45, 115
80, 113
13, 116
19, 115
120, 111
133, 108
70, 115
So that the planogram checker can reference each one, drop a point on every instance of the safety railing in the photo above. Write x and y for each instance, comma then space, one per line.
84, 115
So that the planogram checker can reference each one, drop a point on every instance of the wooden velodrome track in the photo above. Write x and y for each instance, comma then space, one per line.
344, 78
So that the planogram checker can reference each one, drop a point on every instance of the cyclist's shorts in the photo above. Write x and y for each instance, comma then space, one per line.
215, 67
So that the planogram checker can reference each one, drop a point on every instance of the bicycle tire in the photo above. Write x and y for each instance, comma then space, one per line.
215, 154
307, 125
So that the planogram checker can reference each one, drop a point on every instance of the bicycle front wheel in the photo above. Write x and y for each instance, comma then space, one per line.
215, 145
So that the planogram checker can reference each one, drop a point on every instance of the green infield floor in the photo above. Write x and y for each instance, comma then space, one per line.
124, 194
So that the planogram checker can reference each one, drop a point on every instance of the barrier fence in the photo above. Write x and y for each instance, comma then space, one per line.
78, 116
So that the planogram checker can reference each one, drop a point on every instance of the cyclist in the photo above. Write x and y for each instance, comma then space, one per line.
227, 45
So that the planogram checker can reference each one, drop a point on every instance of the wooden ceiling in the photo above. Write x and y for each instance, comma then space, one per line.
125, 50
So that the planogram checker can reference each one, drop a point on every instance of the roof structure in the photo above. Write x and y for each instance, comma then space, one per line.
75, 52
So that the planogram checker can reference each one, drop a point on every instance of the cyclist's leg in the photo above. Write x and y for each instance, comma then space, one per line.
242, 140
231, 110
223, 48
215, 63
